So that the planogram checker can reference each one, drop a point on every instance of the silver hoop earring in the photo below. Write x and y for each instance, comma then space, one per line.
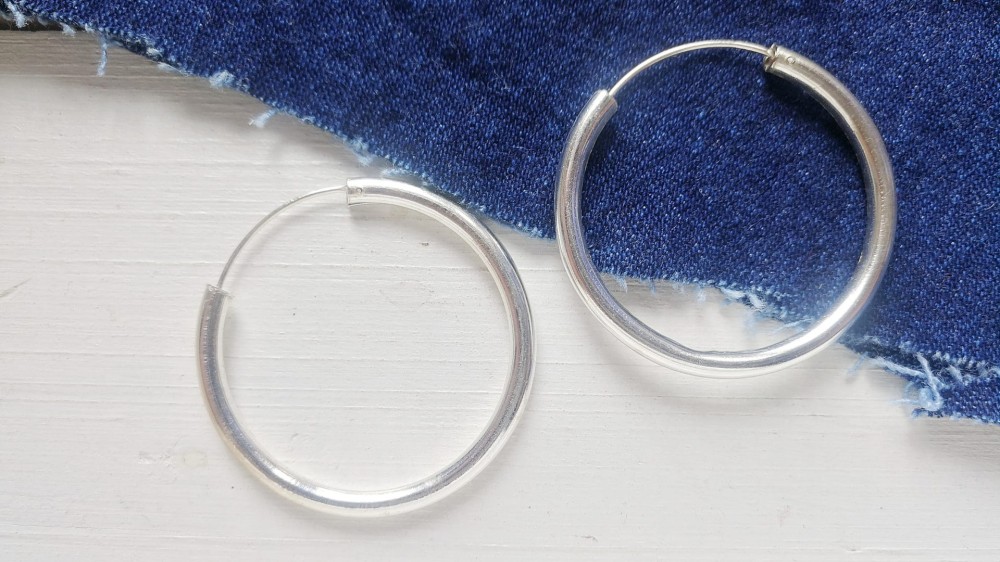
881, 223
446, 480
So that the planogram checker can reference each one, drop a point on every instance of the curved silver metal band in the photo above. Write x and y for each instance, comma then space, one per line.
439, 484
881, 224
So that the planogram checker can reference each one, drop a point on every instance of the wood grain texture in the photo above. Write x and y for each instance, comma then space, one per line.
368, 347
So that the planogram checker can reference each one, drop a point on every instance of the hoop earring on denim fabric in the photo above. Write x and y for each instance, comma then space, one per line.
446, 480
881, 223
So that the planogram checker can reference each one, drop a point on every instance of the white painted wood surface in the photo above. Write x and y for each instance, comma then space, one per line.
368, 348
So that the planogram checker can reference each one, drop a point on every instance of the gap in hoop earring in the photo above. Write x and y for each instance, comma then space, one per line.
367, 347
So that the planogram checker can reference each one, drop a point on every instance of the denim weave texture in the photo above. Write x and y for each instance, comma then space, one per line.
711, 172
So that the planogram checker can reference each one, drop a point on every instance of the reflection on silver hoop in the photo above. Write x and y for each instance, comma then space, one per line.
446, 480
881, 223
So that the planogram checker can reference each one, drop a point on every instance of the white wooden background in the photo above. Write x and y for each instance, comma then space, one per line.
368, 348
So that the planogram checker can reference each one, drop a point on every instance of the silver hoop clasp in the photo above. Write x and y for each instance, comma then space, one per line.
446, 480
881, 223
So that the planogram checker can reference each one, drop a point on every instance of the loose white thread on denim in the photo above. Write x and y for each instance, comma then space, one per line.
699, 293
20, 20
261, 120
397, 173
361, 152
167, 67
752, 299
856, 367
929, 396
222, 79
102, 64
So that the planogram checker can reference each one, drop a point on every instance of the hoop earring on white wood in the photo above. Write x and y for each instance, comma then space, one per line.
442, 482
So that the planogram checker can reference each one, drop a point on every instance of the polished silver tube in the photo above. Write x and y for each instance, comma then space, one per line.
880, 229
434, 486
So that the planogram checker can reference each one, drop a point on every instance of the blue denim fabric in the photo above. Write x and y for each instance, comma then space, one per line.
711, 172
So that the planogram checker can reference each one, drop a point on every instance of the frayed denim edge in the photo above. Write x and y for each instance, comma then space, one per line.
931, 375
